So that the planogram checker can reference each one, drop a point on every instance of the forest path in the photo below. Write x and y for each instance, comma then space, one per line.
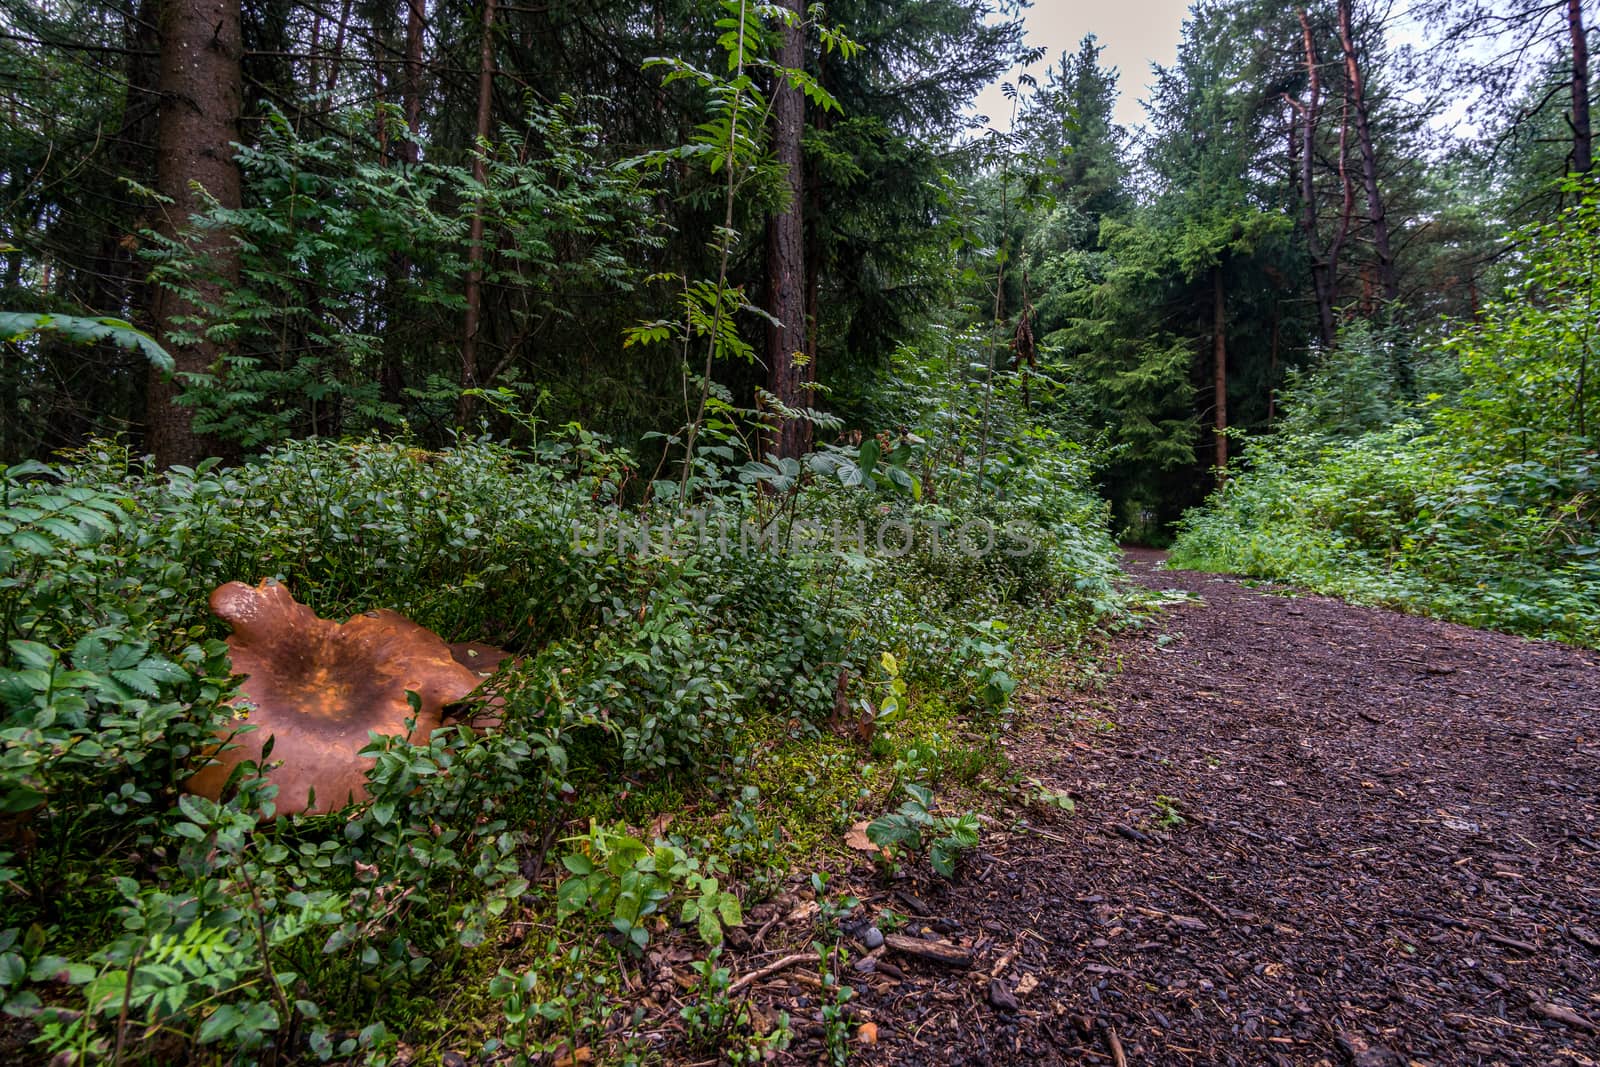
1390, 854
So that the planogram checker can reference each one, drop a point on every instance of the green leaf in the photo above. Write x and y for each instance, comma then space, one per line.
60, 969
19, 799
892, 830
868, 456
709, 928
32, 654
220, 1024
16, 325
571, 897
13, 969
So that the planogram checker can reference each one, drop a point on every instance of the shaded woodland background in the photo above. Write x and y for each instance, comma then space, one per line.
431, 196
451, 289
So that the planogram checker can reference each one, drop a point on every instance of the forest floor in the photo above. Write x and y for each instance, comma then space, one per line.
1306, 833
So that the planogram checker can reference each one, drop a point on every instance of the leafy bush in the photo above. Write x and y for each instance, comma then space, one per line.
914, 827
1484, 509
375, 262
207, 926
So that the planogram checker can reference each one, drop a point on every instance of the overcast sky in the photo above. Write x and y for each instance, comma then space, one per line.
1135, 34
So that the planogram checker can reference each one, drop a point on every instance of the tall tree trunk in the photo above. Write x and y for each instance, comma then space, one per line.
1582, 149
1369, 159
474, 294
789, 370
201, 90
1323, 265
411, 91
1220, 369
337, 58
1272, 369
1347, 199
392, 377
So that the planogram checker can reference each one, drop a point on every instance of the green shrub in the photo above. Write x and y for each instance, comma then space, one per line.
1484, 509
213, 928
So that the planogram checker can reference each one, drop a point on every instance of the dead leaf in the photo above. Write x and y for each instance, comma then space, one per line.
583, 1055
856, 838
804, 911
868, 1034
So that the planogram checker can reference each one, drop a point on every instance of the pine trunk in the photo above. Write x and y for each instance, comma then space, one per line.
790, 371
1376, 215
1582, 147
1323, 264
474, 290
411, 91
1220, 370
201, 92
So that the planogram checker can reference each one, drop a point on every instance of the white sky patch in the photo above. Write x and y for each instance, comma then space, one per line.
1135, 33
1139, 33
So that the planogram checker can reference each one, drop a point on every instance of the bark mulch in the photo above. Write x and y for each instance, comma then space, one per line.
1306, 833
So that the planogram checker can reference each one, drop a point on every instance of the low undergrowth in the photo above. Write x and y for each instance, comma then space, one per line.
1394, 519
1480, 503
689, 718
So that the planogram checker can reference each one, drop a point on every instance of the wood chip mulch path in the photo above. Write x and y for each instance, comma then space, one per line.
1388, 854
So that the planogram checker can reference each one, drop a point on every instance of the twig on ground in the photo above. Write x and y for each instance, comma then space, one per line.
770, 969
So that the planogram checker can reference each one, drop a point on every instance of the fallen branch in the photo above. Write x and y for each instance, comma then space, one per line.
947, 954
1114, 1043
1212, 908
1564, 1015
769, 970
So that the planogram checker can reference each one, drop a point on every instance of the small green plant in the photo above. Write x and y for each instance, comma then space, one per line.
1044, 796
710, 909
915, 828
1169, 812
889, 689
713, 1022
557, 1007
617, 873
832, 910
835, 1021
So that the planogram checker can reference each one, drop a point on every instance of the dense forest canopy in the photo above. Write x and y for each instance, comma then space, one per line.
353, 214
494, 324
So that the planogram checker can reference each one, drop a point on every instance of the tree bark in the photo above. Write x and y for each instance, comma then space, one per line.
1376, 215
1582, 148
1220, 369
1272, 370
790, 371
392, 376
1323, 265
201, 93
411, 91
474, 292
337, 58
